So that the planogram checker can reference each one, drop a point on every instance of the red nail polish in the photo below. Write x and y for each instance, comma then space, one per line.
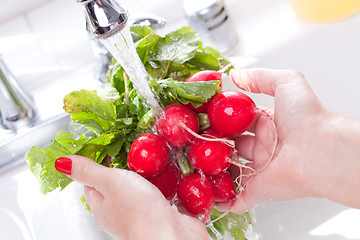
63, 165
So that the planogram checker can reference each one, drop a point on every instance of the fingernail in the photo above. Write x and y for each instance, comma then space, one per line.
63, 165
235, 76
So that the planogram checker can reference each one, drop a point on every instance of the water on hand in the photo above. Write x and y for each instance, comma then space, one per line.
122, 47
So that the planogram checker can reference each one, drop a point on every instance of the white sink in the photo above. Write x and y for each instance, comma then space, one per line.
26, 214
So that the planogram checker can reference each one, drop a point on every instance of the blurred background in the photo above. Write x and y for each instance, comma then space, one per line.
45, 43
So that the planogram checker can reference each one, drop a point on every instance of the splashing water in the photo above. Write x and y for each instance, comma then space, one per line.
122, 47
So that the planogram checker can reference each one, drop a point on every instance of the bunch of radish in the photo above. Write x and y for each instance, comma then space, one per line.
176, 141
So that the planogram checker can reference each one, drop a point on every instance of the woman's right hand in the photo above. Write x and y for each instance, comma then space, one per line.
317, 152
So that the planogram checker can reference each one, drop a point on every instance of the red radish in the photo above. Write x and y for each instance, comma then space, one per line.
205, 75
148, 155
202, 109
167, 181
231, 113
196, 194
224, 187
170, 125
210, 131
210, 157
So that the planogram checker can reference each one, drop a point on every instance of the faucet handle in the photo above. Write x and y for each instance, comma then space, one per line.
17, 107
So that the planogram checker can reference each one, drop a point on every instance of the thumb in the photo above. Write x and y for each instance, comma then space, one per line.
84, 170
268, 81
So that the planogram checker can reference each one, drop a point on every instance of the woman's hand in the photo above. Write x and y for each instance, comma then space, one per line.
126, 205
317, 152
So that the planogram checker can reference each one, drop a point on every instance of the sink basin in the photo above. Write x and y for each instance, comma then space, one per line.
26, 214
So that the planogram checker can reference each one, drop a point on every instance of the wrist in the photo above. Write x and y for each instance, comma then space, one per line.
168, 224
334, 168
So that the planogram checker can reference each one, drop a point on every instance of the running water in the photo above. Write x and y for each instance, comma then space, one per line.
122, 47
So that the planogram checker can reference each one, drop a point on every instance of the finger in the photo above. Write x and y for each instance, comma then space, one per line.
86, 171
244, 145
95, 200
93, 197
265, 81
261, 112
242, 204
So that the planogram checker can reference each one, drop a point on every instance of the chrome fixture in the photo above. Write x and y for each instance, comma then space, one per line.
151, 20
212, 22
104, 17
17, 107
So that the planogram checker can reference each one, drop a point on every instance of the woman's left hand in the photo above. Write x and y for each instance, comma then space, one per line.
126, 205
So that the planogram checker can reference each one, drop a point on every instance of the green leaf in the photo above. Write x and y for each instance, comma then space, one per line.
179, 72
195, 92
106, 144
146, 121
213, 52
41, 161
205, 60
145, 40
137, 106
89, 101
139, 32
178, 46
111, 93
92, 122
235, 224
85, 204
116, 79
120, 160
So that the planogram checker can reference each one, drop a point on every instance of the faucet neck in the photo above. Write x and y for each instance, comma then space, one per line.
16, 106
104, 18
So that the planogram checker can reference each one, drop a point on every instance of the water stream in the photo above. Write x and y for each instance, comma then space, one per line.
122, 47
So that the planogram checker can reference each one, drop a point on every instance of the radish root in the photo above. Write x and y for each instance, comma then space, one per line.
210, 222
230, 143
225, 68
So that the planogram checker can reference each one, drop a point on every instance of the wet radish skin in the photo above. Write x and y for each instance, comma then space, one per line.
224, 187
167, 181
210, 157
231, 113
169, 128
196, 194
148, 155
205, 75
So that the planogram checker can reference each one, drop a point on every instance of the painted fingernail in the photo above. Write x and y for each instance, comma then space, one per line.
64, 165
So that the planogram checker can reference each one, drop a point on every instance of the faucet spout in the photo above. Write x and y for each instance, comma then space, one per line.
104, 17
17, 108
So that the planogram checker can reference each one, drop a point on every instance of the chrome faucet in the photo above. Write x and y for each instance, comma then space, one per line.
104, 18
17, 107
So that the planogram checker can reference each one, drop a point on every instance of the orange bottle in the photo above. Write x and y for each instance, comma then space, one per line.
325, 10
